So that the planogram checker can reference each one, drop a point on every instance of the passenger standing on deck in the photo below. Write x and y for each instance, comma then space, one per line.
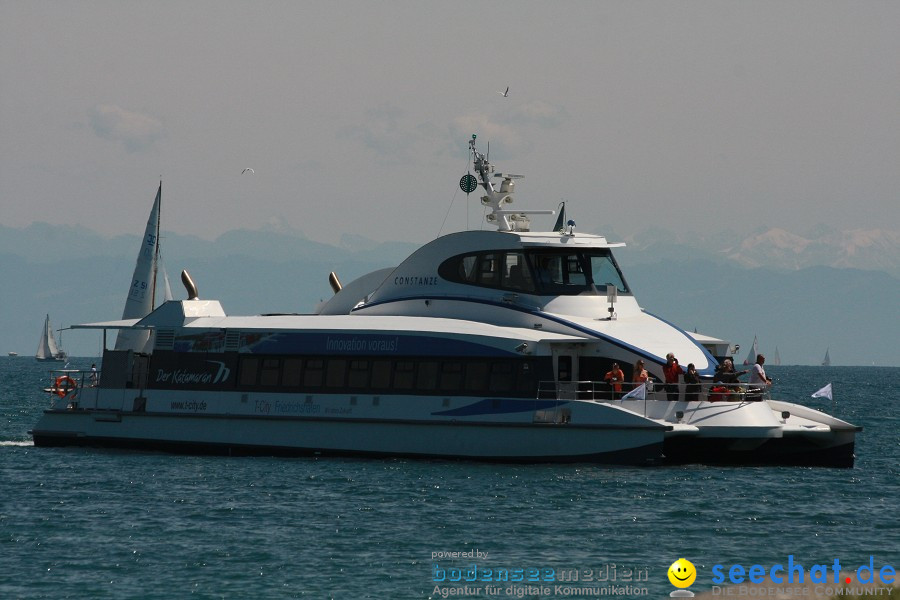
640, 374
726, 373
758, 379
757, 373
672, 370
614, 377
692, 379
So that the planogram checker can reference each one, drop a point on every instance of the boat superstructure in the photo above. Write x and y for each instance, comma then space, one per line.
487, 345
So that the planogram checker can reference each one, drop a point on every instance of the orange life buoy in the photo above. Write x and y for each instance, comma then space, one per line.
69, 385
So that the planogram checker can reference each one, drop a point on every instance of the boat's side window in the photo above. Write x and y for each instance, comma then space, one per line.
358, 377
313, 373
451, 376
335, 373
476, 376
604, 272
505, 270
404, 374
559, 271
525, 381
516, 275
547, 269
489, 270
381, 374
426, 378
426, 375
249, 369
271, 368
467, 270
292, 372
574, 271
501, 379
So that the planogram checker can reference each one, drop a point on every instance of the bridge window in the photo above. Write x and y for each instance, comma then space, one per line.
547, 272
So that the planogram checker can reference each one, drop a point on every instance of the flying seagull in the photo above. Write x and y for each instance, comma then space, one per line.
504, 94
247, 169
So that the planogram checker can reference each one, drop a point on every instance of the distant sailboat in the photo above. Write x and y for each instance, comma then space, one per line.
141, 299
47, 348
754, 350
826, 362
777, 358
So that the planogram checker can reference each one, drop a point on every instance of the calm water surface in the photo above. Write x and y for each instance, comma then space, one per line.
82, 523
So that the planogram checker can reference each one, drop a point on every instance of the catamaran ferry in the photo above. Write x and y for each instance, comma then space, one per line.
483, 345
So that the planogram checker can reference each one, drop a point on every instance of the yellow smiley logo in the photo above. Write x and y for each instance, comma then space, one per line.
682, 573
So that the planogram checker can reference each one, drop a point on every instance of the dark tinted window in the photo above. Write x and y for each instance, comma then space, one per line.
313, 373
271, 368
336, 373
381, 374
404, 373
358, 377
545, 272
249, 370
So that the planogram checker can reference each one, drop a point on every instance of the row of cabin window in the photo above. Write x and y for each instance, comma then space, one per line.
408, 374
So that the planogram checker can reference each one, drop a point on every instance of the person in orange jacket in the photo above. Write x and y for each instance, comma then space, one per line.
615, 377
672, 370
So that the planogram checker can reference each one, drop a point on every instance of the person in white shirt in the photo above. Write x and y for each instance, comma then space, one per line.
758, 379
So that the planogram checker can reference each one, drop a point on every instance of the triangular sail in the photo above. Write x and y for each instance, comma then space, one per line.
46, 345
141, 294
826, 362
754, 350
777, 359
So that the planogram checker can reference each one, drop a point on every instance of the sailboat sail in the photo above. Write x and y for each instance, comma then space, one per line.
777, 359
826, 362
142, 293
47, 348
754, 350
167, 289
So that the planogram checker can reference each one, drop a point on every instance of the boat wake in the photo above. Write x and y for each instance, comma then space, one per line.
16, 443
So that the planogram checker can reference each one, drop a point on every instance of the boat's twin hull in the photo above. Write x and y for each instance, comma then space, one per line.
237, 435
784, 451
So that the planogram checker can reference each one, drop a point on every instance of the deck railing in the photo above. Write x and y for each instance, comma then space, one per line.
601, 391
70, 388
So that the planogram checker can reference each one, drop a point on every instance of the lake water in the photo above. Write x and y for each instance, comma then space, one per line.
83, 523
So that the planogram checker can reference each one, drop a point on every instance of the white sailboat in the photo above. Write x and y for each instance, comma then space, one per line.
826, 362
141, 299
777, 359
47, 349
754, 350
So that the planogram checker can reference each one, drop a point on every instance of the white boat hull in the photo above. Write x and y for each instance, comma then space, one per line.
589, 432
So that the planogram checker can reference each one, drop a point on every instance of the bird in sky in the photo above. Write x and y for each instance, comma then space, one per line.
248, 169
504, 94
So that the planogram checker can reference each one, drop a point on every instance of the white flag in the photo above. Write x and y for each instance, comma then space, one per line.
640, 392
825, 392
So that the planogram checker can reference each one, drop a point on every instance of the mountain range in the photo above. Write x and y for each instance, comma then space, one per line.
804, 294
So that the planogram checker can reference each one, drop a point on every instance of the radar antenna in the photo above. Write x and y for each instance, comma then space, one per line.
498, 198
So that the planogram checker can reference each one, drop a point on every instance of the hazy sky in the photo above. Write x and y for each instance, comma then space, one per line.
355, 116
